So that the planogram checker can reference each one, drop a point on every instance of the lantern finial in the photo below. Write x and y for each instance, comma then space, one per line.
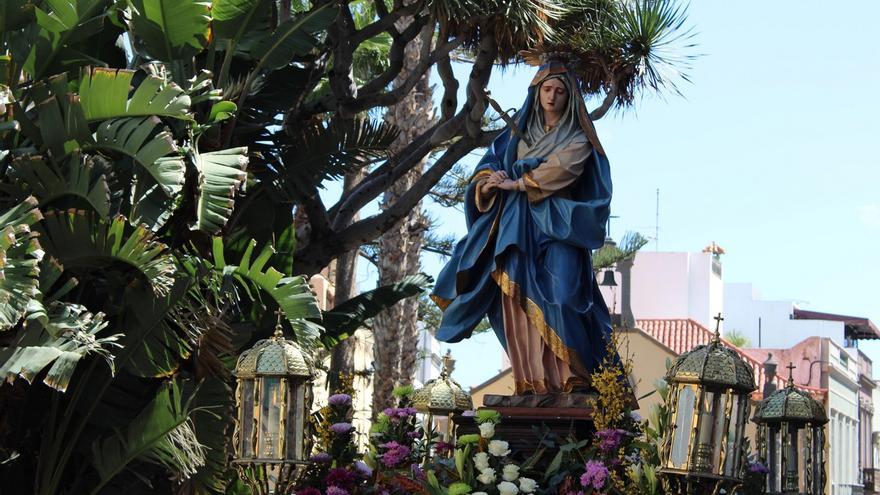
718, 319
790, 374
448, 363
279, 333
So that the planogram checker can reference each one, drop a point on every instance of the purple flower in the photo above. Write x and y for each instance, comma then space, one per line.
335, 490
442, 447
321, 457
395, 414
414, 434
340, 477
363, 469
339, 400
758, 467
609, 440
308, 491
394, 454
594, 475
341, 428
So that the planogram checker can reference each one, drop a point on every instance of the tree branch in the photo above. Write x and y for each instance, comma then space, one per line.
480, 74
450, 89
340, 76
381, 179
319, 252
606, 105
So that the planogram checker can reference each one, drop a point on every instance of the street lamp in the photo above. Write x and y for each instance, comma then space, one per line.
273, 399
442, 396
791, 441
709, 389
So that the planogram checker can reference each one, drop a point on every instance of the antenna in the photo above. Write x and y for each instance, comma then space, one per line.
657, 223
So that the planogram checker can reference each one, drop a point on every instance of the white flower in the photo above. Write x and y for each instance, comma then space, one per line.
486, 476
481, 461
479, 493
507, 488
527, 485
487, 430
511, 472
498, 448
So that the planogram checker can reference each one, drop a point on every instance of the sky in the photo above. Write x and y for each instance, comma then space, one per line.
771, 152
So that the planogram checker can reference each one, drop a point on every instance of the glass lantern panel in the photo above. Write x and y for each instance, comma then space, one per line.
271, 401
818, 465
705, 452
718, 429
246, 419
684, 416
774, 459
790, 458
731, 449
296, 422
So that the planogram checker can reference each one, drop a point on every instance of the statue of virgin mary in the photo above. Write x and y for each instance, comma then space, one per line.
536, 207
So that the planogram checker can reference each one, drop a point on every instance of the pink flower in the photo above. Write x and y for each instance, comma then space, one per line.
394, 454
595, 475
609, 440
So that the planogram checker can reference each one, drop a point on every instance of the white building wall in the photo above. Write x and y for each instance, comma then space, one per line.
843, 412
745, 312
672, 286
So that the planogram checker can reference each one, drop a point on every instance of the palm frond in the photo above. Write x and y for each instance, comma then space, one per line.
20, 256
79, 184
292, 294
221, 174
627, 47
171, 29
306, 157
58, 338
161, 433
342, 321
609, 254
79, 239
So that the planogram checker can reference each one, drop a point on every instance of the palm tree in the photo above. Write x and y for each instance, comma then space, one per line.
127, 287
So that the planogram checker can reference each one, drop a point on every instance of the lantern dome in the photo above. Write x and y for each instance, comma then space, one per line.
790, 405
442, 395
275, 356
713, 364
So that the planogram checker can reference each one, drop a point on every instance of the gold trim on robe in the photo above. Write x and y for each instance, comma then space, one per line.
536, 318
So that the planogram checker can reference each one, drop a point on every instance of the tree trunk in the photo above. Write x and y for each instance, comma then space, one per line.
395, 330
342, 359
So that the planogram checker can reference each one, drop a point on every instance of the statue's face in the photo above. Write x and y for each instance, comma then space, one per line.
554, 96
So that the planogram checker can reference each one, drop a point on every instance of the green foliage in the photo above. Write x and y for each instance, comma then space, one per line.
171, 29
737, 338
609, 254
341, 321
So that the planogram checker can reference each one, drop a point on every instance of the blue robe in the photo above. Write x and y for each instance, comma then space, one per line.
537, 253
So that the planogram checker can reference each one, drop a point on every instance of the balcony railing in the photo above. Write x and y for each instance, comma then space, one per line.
868, 477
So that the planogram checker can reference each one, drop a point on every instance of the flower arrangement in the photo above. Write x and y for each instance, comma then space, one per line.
405, 458
334, 468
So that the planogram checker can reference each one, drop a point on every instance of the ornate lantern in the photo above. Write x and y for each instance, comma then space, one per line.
273, 399
709, 390
442, 397
791, 440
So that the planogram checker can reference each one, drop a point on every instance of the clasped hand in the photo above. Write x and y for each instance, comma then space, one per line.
500, 180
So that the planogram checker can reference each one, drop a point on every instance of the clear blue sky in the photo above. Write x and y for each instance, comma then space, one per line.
772, 153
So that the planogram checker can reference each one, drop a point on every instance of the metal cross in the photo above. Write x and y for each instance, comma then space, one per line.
791, 368
718, 319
